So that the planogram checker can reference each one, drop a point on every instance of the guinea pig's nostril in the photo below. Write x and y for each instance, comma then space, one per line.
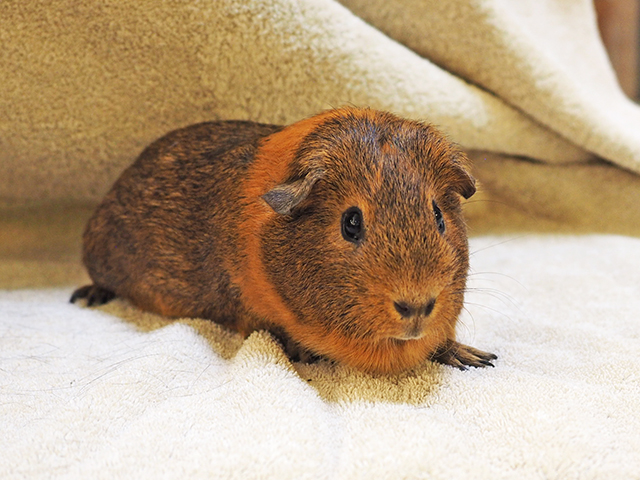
428, 308
404, 309
407, 310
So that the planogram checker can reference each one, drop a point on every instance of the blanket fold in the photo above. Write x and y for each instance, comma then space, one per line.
86, 86
544, 58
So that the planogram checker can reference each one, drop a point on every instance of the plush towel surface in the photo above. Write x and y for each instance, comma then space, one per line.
554, 286
114, 393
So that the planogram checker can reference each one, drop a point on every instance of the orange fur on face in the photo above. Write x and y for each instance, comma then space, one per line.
271, 167
379, 352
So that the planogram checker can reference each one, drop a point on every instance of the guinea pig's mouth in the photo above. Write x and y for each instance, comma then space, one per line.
411, 326
405, 338
413, 331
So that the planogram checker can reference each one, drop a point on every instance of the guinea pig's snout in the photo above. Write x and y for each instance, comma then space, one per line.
408, 310
414, 317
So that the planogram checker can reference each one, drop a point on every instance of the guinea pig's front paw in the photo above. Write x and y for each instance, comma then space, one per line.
293, 350
94, 295
461, 356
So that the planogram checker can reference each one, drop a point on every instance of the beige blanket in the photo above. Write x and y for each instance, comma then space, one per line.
524, 86
114, 393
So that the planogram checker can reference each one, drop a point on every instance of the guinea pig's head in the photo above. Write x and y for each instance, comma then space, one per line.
367, 246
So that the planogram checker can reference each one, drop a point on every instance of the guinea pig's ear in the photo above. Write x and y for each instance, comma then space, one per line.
460, 180
464, 183
285, 197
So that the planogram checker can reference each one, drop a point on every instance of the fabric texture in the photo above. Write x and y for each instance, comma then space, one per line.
114, 392
87, 85
554, 289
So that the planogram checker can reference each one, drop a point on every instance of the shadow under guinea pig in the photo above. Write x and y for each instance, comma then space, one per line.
333, 382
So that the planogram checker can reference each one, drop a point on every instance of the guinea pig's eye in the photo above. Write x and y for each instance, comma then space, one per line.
352, 228
439, 218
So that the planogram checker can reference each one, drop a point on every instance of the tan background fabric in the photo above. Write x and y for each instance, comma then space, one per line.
87, 85
544, 58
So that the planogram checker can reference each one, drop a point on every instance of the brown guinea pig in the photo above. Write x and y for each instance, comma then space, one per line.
341, 234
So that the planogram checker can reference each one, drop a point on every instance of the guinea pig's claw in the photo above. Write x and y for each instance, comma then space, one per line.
462, 356
94, 295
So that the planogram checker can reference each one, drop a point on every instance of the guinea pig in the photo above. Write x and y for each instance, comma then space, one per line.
342, 234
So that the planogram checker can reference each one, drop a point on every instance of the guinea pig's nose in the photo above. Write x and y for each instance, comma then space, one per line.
407, 310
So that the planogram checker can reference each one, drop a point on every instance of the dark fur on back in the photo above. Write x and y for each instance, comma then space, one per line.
163, 233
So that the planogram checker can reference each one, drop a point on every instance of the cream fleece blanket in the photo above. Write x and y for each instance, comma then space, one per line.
525, 86
113, 393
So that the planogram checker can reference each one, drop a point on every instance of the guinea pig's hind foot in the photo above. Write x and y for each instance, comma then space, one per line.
462, 356
94, 295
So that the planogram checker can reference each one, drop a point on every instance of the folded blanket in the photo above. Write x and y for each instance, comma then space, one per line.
545, 58
86, 86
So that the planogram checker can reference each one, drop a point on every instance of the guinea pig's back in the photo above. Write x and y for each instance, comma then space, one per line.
163, 235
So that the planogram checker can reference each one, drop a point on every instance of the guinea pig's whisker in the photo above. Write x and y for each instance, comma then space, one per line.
464, 307
503, 275
470, 329
480, 305
487, 200
508, 240
505, 298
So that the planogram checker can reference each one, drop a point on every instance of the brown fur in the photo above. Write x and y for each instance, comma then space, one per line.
241, 223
